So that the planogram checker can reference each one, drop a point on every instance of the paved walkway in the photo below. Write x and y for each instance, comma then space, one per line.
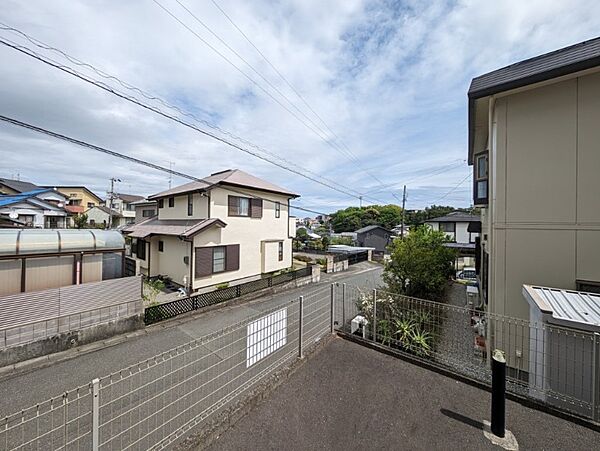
24, 390
350, 397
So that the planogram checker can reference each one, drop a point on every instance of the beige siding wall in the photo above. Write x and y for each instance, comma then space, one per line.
170, 262
179, 210
10, 277
92, 268
543, 222
249, 233
270, 256
48, 272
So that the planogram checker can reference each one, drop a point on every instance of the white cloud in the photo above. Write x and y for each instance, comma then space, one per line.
390, 78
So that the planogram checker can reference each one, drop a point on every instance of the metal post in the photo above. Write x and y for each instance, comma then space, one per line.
332, 309
595, 379
498, 393
343, 306
95, 414
300, 324
374, 325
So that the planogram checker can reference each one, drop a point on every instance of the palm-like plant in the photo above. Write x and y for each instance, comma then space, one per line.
384, 332
421, 342
404, 328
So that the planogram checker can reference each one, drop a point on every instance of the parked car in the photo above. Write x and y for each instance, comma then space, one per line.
467, 274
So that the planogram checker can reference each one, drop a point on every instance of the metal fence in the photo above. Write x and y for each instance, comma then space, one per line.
357, 257
552, 365
33, 316
153, 404
156, 313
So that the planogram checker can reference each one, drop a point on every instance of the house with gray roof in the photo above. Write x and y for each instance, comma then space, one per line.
228, 228
374, 236
40, 208
100, 215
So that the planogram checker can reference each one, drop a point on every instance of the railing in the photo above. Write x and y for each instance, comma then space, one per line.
154, 403
156, 313
552, 365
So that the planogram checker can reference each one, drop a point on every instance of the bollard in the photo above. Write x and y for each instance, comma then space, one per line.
498, 393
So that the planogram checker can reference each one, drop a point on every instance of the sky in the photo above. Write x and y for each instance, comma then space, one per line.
364, 96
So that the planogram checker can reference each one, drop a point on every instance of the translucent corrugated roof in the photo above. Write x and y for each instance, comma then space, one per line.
41, 241
567, 307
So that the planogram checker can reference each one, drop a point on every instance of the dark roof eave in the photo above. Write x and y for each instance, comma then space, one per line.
165, 196
519, 83
284, 193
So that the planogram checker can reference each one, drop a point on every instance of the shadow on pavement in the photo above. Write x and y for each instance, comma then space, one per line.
462, 418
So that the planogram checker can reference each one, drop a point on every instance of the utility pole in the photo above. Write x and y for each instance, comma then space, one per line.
403, 213
360, 201
111, 196
170, 173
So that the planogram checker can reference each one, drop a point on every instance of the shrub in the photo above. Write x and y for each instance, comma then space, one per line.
303, 258
222, 286
151, 290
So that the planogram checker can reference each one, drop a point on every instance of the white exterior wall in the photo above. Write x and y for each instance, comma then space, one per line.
179, 210
542, 223
462, 234
249, 233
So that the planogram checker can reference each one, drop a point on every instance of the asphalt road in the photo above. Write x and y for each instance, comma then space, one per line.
350, 397
25, 390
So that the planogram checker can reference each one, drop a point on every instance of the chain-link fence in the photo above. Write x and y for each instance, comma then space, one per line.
154, 403
551, 364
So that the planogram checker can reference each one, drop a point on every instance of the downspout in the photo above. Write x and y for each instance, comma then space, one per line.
190, 286
491, 201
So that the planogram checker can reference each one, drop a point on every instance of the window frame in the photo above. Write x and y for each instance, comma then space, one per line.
448, 232
214, 250
161, 203
190, 204
172, 202
278, 209
238, 199
140, 244
481, 178
280, 250
147, 213
161, 246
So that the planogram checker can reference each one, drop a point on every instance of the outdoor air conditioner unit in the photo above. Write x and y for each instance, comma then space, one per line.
358, 324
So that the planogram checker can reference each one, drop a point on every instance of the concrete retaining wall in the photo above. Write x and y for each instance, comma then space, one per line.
70, 339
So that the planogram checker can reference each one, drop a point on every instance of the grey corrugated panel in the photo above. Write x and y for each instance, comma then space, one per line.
537, 66
25, 308
576, 307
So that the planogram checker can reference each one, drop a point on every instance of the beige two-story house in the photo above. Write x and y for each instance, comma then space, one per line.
229, 228
534, 144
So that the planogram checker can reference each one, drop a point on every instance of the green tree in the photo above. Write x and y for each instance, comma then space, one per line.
420, 265
346, 240
302, 235
80, 220
353, 218
325, 242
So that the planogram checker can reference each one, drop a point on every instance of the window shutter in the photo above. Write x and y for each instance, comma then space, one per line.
232, 259
204, 261
256, 209
232, 203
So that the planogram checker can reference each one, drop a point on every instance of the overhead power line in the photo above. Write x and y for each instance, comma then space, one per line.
129, 158
29, 52
453, 189
344, 149
153, 97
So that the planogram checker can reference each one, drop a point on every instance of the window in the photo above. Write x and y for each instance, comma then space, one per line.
211, 260
239, 206
480, 195
171, 202
91, 204
449, 228
161, 203
190, 204
277, 209
280, 251
161, 246
140, 250
147, 213
219, 259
